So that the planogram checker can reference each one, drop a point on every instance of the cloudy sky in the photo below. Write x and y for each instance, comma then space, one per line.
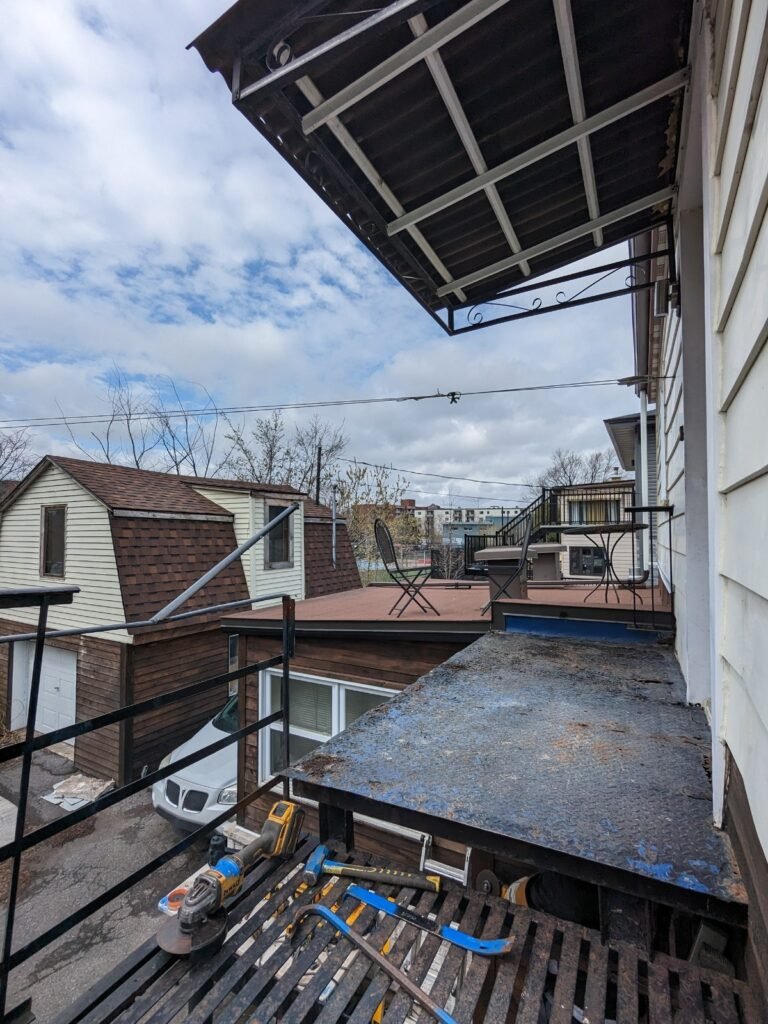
146, 225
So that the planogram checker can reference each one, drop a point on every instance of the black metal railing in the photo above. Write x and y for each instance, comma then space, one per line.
558, 508
43, 599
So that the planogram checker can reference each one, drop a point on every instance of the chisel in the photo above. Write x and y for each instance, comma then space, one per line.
484, 947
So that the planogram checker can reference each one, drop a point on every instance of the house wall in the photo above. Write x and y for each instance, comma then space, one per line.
99, 689
622, 556
391, 664
249, 512
89, 560
736, 244
165, 665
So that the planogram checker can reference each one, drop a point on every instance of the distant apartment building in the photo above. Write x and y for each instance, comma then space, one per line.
446, 524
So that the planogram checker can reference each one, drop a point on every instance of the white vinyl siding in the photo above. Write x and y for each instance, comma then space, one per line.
89, 554
737, 200
249, 516
622, 556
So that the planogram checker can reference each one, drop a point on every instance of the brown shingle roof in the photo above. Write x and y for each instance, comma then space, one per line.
241, 485
159, 558
320, 575
140, 490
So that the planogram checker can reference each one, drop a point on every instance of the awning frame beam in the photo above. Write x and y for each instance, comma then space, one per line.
555, 242
449, 28
665, 87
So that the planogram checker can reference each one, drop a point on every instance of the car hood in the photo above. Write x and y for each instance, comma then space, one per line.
215, 771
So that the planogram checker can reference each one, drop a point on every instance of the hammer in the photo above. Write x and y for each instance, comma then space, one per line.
320, 864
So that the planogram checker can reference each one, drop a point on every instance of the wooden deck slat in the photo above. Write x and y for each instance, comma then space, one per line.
597, 981
626, 988
270, 877
302, 1002
456, 957
659, 1000
475, 977
536, 974
264, 940
154, 988
401, 1003
506, 972
356, 972
567, 974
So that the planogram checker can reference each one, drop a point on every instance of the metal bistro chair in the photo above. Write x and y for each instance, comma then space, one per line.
410, 581
521, 567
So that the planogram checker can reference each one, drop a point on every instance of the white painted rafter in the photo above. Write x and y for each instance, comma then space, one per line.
570, 55
654, 199
449, 96
353, 150
433, 39
672, 83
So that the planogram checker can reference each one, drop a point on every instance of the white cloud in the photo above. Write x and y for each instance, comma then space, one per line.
147, 224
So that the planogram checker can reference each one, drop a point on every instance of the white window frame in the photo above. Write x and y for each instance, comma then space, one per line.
269, 564
338, 688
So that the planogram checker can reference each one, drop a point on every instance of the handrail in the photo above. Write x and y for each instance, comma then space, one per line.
21, 843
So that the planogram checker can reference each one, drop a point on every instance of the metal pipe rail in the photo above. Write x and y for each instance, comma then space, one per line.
43, 598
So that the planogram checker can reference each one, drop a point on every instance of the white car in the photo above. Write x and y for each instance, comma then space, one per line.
200, 792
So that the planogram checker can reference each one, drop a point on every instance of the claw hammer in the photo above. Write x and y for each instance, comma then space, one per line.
319, 863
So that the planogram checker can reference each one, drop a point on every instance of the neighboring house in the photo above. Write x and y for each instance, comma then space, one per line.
132, 540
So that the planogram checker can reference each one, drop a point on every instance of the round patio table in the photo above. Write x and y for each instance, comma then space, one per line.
605, 532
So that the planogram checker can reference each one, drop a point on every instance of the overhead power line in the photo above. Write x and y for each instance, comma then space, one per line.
453, 397
441, 476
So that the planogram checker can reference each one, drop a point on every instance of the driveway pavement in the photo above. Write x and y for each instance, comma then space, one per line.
65, 872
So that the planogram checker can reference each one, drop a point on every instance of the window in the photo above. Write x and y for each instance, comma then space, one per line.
587, 561
278, 545
595, 511
54, 519
233, 661
319, 710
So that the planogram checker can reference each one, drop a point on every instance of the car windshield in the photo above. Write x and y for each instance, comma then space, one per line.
227, 718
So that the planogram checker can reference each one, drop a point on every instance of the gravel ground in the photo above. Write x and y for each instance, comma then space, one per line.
65, 872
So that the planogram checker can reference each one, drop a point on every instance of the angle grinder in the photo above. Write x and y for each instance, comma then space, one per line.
200, 924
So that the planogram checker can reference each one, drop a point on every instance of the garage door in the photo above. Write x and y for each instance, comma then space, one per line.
56, 703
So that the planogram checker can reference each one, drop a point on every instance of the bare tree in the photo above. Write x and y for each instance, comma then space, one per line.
189, 439
130, 435
16, 458
367, 493
270, 454
568, 467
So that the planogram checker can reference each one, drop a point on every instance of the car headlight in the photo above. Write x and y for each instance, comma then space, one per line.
228, 795
166, 761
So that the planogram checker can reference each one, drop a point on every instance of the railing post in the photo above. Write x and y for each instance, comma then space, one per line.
289, 642
21, 811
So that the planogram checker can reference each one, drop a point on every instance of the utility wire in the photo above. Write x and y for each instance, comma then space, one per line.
441, 476
88, 419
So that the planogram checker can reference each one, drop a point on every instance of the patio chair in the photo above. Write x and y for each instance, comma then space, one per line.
410, 581
521, 567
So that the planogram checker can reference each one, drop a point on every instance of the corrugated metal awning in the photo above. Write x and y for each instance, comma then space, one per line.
471, 146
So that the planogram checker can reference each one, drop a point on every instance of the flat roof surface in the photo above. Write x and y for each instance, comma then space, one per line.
577, 755
370, 607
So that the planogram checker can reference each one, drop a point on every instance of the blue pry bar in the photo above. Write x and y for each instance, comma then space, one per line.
484, 947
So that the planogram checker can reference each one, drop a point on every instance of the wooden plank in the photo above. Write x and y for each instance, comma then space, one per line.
564, 997
626, 987
689, 995
419, 966
659, 1000
477, 972
354, 975
722, 1004
536, 974
506, 972
597, 981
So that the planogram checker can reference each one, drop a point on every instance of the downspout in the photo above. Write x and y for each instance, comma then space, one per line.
333, 525
645, 497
